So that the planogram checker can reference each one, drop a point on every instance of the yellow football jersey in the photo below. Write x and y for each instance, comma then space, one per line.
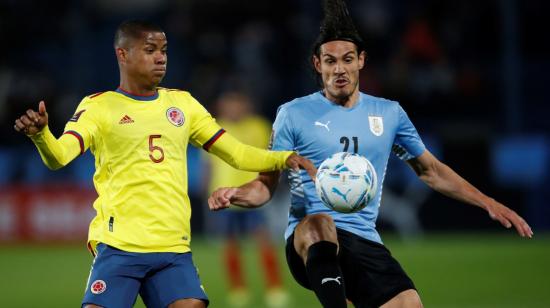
140, 146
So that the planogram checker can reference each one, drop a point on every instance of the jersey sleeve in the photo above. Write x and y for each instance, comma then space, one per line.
281, 136
84, 124
407, 143
204, 129
77, 137
205, 132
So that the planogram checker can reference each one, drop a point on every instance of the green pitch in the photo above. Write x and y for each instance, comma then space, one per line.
450, 270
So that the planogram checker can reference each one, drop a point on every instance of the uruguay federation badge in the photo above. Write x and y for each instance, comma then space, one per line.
175, 116
376, 125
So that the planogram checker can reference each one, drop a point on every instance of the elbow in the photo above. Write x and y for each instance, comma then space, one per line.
430, 179
54, 166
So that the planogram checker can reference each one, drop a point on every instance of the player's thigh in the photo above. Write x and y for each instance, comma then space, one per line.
188, 303
177, 281
371, 275
405, 299
114, 279
313, 229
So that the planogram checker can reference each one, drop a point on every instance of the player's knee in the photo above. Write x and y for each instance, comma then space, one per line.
92, 306
321, 224
314, 229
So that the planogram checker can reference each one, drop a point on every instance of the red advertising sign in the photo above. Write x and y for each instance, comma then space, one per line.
58, 213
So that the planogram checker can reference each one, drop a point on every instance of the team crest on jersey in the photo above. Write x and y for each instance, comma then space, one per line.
175, 116
98, 287
376, 125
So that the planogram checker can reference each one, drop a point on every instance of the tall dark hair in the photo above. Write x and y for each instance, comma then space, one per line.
337, 25
133, 29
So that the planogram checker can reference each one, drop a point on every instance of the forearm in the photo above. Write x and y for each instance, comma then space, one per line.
444, 180
249, 158
257, 192
56, 153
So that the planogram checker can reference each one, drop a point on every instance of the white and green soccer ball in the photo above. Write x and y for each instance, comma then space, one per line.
346, 182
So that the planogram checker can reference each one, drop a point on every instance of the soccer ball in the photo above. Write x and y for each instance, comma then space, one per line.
346, 182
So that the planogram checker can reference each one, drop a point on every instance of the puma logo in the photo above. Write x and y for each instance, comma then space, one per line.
331, 279
344, 196
317, 123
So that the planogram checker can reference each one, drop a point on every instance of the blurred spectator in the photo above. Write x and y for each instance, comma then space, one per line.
235, 113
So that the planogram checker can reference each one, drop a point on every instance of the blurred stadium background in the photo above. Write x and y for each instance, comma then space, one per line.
472, 75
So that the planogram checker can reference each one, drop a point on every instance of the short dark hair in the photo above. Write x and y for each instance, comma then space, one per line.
133, 29
316, 52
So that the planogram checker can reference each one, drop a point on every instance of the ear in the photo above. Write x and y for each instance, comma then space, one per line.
316, 63
362, 58
121, 54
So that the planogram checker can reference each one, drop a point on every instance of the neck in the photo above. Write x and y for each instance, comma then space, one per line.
137, 88
346, 101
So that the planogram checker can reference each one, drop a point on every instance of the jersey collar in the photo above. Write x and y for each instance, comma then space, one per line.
322, 96
138, 97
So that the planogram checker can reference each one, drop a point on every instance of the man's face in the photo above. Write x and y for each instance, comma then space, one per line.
339, 65
145, 58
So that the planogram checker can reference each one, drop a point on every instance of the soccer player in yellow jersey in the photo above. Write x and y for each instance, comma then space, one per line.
234, 112
139, 135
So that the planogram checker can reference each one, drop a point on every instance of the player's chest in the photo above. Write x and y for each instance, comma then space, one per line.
354, 132
133, 122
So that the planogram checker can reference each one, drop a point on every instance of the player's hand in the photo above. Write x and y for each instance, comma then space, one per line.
508, 218
221, 198
32, 122
295, 162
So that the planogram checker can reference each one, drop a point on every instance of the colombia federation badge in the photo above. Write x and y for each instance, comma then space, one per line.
175, 116
98, 287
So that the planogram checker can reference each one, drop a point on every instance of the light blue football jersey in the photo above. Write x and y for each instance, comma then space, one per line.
317, 128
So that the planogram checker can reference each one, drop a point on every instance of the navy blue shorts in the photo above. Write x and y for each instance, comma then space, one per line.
160, 278
241, 222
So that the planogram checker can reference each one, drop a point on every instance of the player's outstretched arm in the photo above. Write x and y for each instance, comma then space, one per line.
444, 180
249, 158
250, 195
55, 153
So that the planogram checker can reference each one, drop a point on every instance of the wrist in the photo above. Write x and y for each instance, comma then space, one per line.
39, 133
486, 202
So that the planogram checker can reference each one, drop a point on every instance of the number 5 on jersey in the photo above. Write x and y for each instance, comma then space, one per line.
154, 148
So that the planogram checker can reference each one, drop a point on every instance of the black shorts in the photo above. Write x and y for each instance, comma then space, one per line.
371, 275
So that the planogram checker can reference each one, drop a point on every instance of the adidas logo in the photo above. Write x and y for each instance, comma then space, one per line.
126, 120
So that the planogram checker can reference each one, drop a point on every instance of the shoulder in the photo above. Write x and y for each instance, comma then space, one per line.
381, 101
96, 100
299, 103
181, 98
175, 93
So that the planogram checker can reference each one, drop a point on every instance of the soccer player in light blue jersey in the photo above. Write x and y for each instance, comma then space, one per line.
337, 255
